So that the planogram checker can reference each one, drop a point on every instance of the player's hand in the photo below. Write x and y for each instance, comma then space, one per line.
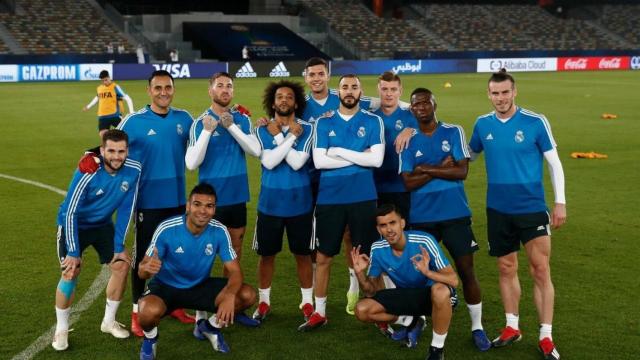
121, 256
360, 261
226, 310
296, 129
263, 121
558, 215
89, 163
226, 119
241, 109
85, 108
421, 261
274, 128
151, 264
402, 140
447, 161
70, 267
209, 123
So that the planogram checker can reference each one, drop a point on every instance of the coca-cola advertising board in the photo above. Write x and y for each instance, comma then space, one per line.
593, 63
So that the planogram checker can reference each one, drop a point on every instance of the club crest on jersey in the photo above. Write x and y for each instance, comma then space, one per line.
179, 129
519, 136
361, 132
208, 250
399, 125
124, 186
446, 147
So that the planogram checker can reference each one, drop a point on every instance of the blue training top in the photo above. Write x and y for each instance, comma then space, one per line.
387, 178
438, 199
513, 158
285, 192
159, 144
224, 165
187, 259
400, 268
352, 183
92, 199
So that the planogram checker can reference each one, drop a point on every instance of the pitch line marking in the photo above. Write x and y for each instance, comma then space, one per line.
78, 308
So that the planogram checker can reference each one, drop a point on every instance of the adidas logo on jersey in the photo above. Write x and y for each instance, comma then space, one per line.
151, 132
418, 153
246, 71
279, 71
332, 133
489, 137
99, 192
474, 243
215, 133
179, 250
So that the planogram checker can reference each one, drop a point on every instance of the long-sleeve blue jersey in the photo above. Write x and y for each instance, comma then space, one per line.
93, 198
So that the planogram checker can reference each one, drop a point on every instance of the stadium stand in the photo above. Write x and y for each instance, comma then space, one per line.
623, 20
3, 47
512, 27
63, 27
375, 37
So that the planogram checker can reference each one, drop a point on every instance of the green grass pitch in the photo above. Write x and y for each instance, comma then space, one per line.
594, 258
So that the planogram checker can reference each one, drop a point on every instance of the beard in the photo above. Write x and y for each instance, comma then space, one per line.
284, 111
349, 106
110, 165
219, 101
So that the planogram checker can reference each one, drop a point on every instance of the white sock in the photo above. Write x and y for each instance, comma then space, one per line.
437, 340
475, 312
404, 320
151, 334
62, 317
213, 320
110, 310
307, 296
388, 283
545, 331
264, 295
200, 314
321, 305
135, 308
354, 287
512, 320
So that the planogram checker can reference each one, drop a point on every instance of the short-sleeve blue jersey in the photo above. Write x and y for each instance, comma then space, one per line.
285, 192
438, 199
224, 166
187, 259
159, 144
387, 178
313, 110
400, 268
513, 158
92, 199
353, 183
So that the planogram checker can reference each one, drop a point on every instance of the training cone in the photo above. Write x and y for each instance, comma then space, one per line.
447, 84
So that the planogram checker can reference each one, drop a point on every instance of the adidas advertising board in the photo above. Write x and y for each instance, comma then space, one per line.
271, 69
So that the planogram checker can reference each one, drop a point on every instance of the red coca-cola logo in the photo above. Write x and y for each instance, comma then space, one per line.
610, 63
593, 63
575, 64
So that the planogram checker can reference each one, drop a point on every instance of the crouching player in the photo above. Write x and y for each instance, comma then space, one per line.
179, 259
84, 219
425, 282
